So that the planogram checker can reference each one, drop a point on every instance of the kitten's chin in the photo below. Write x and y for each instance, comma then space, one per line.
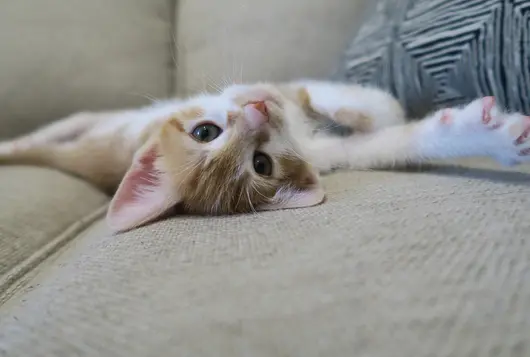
275, 113
297, 199
256, 115
245, 94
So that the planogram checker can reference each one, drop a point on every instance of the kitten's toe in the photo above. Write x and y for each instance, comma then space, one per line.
522, 142
488, 103
513, 138
522, 126
479, 115
506, 136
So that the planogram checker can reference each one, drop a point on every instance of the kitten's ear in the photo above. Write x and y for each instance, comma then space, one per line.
145, 192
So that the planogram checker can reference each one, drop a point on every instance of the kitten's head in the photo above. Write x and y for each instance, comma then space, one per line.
222, 154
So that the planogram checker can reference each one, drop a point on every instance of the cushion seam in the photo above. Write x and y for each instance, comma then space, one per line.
35, 259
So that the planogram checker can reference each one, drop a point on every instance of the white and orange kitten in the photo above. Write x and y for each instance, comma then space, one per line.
257, 147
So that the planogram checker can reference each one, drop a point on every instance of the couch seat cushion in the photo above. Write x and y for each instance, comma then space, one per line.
393, 264
40, 209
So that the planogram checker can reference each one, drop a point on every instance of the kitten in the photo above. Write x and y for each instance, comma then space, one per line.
257, 147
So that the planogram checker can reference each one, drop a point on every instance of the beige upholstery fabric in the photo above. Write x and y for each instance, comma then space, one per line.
261, 40
61, 56
39, 210
393, 264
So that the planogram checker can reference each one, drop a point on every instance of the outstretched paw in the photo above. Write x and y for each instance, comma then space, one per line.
8, 148
510, 130
499, 134
519, 128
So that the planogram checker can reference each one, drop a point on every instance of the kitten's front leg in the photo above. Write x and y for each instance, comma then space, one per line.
477, 129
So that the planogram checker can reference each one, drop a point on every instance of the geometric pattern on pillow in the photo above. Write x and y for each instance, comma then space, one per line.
435, 53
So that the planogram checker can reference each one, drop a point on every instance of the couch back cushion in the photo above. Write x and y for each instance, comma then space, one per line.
61, 56
252, 40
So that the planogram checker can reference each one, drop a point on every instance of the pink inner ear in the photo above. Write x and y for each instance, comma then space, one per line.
145, 193
141, 174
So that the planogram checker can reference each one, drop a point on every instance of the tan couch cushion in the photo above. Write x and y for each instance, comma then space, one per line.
221, 41
39, 211
393, 264
61, 56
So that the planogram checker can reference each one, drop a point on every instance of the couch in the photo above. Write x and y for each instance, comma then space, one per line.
432, 261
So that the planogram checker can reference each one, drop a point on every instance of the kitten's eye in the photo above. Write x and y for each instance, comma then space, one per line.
205, 133
262, 164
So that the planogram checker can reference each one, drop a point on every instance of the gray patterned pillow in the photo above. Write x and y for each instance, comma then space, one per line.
432, 53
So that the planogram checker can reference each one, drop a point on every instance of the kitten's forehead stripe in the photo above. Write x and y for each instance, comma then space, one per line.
177, 124
262, 138
192, 113
304, 98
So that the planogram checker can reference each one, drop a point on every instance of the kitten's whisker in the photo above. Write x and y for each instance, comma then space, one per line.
294, 150
327, 127
213, 84
239, 198
250, 201
147, 96
233, 66
189, 169
223, 82
191, 166
232, 74
203, 81
228, 80
174, 53
255, 189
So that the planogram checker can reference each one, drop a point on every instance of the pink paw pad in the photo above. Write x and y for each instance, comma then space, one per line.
524, 135
447, 117
524, 152
488, 103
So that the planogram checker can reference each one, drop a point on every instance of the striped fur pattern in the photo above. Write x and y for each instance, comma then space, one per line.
438, 53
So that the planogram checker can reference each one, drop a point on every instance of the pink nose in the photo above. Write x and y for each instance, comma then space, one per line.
256, 114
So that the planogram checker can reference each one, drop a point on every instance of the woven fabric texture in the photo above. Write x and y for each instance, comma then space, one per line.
435, 263
37, 206
433, 53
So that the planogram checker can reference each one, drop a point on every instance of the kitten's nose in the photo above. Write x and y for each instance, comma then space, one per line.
256, 114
